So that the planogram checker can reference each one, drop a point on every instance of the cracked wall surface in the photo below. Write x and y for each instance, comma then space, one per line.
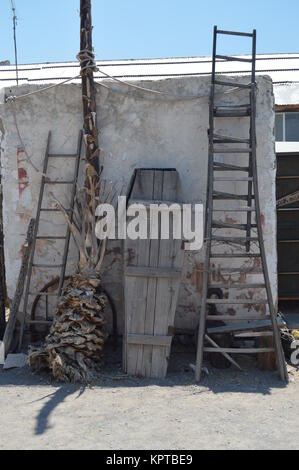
137, 129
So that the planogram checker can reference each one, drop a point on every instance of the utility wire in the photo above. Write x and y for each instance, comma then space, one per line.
129, 84
15, 38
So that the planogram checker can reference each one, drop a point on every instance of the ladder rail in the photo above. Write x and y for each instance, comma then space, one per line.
252, 139
208, 224
277, 342
68, 232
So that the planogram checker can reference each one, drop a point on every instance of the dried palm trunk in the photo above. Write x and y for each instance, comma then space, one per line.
73, 348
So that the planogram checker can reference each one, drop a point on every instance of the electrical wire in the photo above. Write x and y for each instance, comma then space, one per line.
87, 56
84, 56
138, 87
15, 98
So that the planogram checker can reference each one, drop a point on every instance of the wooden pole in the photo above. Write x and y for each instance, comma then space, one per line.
86, 57
10, 327
92, 151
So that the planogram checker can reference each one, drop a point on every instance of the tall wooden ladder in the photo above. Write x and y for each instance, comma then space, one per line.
250, 244
45, 180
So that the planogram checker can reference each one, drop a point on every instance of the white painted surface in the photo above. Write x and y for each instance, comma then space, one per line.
286, 147
287, 93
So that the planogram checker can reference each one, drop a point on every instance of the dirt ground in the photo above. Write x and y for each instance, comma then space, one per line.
228, 410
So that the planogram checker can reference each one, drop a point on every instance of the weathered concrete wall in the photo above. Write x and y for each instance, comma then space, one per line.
136, 130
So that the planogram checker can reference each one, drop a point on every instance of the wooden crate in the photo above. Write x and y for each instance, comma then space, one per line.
152, 274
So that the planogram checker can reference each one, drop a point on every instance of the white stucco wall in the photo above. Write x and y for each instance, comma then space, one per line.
286, 93
136, 130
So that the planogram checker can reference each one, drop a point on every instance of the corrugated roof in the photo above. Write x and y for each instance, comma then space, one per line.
282, 68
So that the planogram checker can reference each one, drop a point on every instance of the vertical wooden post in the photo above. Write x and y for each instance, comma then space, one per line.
2, 273
86, 57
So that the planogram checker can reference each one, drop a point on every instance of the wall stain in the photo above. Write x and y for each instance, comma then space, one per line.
25, 217
196, 276
23, 180
41, 246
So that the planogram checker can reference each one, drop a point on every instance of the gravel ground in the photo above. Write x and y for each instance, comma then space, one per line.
228, 410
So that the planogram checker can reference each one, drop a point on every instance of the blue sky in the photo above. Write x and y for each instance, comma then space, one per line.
48, 30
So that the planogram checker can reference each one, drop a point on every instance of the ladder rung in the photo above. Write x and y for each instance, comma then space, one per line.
239, 318
220, 224
234, 239
232, 106
236, 286
65, 155
47, 265
219, 166
50, 294
240, 112
252, 325
230, 178
238, 271
232, 150
239, 350
232, 58
50, 237
236, 329
234, 33
226, 196
236, 302
232, 84
235, 255
59, 182
229, 140
254, 334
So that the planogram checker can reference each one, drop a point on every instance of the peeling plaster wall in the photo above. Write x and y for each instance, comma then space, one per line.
134, 132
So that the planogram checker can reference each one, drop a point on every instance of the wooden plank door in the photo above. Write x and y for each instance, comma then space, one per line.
152, 278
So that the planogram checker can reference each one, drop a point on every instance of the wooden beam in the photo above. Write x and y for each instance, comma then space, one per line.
253, 325
239, 350
3, 294
9, 331
157, 340
227, 356
284, 108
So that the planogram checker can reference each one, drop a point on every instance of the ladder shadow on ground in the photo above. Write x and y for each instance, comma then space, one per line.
231, 380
